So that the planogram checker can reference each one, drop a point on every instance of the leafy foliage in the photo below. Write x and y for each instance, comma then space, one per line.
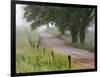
72, 18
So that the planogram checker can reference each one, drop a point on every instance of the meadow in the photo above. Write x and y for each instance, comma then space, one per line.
33, 59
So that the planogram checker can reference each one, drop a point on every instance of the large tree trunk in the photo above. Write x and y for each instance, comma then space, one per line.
74, 36
82, 35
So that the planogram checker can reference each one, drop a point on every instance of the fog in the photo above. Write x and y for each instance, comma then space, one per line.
20, 21
19, 16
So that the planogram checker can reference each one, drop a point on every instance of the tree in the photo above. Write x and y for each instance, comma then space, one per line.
86, 16
74, 19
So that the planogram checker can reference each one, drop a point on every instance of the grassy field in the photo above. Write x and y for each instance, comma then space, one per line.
89, 42
29, 59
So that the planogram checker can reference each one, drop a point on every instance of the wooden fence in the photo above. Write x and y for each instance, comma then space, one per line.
37, 46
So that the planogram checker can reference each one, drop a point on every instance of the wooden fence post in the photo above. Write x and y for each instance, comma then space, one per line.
33, 45
23, 58
69, 61
38, 47
44, 51
52, 53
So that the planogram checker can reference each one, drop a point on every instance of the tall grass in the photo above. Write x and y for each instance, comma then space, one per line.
30, 59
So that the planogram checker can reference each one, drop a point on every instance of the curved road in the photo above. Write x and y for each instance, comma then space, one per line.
83, 58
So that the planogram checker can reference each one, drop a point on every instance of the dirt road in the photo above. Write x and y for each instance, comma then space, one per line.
83, 58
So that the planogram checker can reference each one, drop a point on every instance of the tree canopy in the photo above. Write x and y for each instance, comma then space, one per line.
72, 18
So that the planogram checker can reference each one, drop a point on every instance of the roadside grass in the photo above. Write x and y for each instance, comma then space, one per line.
87, 46
30, 59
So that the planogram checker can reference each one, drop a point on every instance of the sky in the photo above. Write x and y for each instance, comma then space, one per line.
19, 15
19, 18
